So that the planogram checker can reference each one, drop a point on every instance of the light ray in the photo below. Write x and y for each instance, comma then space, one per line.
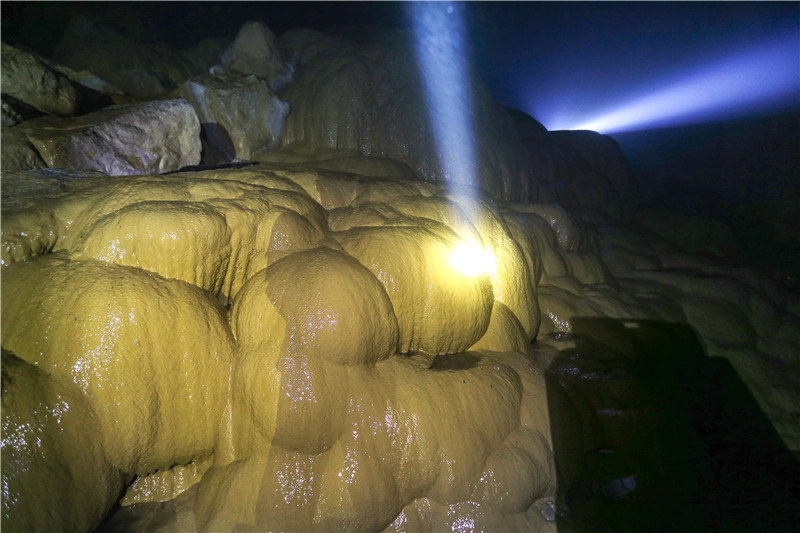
439, 33
756, 80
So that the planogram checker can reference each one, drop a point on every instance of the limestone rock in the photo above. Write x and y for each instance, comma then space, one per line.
121, 140
572, 233
206, 54
600, 176
297, 285
87, 79
255, 52
163, 328
361, 380
340, 161
138, 82
457, 305
583, 171
17, 152
548, 164
164, 485
239, 115
310, 356
29, 80
141, 70
14, 111
364, 94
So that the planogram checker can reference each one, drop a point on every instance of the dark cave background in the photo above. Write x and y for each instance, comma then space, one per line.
743, 170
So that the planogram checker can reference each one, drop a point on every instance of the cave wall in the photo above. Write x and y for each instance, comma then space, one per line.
288, 344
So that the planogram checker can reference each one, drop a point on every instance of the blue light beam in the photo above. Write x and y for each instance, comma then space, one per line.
756, 80
439, 31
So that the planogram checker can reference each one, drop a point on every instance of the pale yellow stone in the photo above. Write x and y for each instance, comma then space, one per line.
56, 475
152, 356
164, 485
309, 336
512, 281
505, 333
438, 308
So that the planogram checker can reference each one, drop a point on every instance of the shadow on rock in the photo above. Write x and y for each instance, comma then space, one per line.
683, 445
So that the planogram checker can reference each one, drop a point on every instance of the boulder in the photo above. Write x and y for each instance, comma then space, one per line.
87, 79
206, 53
159, 136
17, 152
255, 51
141, 70
239, 115
138, 82
27, 79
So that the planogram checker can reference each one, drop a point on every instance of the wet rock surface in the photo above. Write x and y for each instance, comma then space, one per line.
27, 79
615, 424
295, 347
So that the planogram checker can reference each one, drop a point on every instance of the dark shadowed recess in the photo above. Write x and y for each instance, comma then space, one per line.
744, 172
685, 445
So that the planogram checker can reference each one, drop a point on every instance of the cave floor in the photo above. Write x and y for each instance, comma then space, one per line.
704, 458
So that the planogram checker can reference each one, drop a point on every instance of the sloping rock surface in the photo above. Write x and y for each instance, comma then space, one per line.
139, 69
158, 136
31, 81
17, 152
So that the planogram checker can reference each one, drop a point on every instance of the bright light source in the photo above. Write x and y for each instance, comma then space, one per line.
753, 80
471, 259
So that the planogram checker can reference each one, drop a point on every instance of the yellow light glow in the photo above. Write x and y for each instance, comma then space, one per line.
471, 259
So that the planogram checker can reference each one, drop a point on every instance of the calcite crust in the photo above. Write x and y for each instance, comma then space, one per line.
217, 315
282, 347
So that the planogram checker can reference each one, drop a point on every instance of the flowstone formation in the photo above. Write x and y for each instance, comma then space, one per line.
302, 342
272, 348
328, 368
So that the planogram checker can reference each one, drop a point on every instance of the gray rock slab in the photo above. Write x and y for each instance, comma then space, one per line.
150, 137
